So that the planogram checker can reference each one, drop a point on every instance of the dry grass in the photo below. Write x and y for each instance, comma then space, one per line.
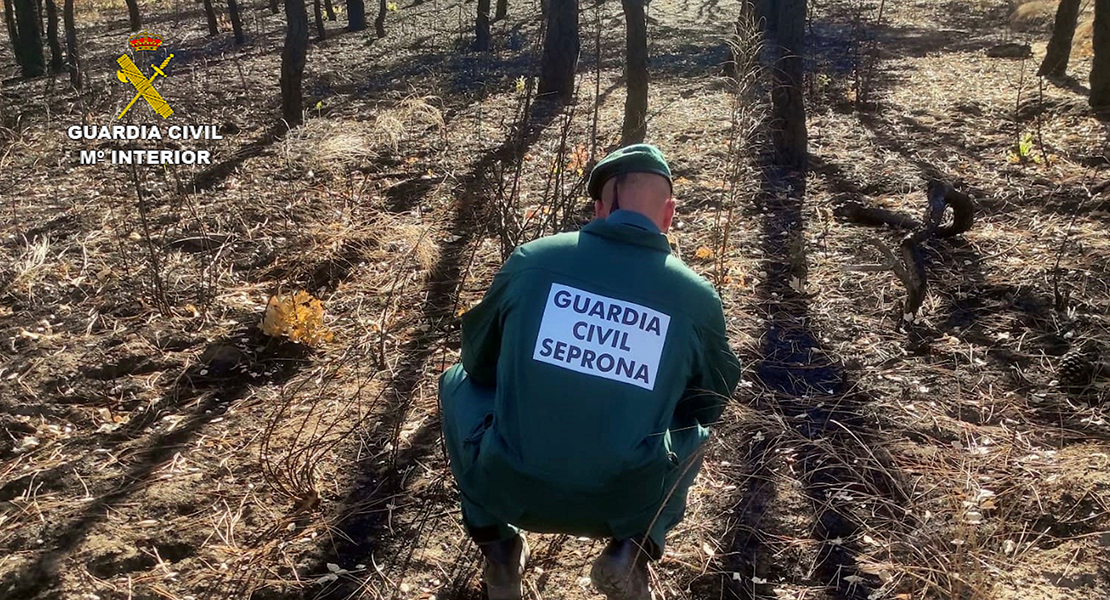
328, 146
961, 471
30, 267
339, 146
413, 116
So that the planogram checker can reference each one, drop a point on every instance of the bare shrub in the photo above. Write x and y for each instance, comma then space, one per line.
338, 146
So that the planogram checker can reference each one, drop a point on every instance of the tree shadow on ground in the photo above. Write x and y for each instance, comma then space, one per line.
749, 525
805, 387
217, 173
204, 392
366, 534
802, 383
464, 77
995, 317
472, 78
690, 61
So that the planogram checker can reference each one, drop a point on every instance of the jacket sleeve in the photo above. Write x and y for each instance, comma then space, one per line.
481, 331
716, 373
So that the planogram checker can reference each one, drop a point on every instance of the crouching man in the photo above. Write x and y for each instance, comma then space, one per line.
591, 372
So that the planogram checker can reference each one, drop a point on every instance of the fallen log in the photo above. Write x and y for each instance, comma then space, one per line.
909, 263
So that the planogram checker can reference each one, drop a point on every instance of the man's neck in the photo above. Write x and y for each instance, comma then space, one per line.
632, 218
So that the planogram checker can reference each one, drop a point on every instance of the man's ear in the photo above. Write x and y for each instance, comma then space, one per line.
668, 215
601, 208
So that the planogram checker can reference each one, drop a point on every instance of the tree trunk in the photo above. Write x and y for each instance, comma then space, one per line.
502, 10
72, 59
356, 15
133, 15
788, 112
236, 21
56, 62
560, 50
481, 27
9, 20
293, 57
210, 14
1059, 48
379, 23
13, 32
319, 15
1100, 69
329, 10
32, 63
636, 74
274, 6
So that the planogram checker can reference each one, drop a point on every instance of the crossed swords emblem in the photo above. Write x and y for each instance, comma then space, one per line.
131, 73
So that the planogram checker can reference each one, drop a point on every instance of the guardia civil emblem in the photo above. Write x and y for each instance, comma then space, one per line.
129, 72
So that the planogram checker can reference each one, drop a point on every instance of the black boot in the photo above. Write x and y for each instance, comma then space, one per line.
503, 567
621, 571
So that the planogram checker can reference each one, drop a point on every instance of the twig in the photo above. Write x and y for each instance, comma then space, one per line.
159, 290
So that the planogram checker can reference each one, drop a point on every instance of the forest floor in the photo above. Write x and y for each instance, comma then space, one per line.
157, 445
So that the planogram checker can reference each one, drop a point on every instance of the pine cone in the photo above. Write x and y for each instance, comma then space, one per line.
1079, 366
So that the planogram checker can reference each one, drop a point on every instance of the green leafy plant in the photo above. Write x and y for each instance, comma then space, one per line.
1022, 152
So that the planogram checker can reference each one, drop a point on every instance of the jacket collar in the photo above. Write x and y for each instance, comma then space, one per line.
633, 218
629, 227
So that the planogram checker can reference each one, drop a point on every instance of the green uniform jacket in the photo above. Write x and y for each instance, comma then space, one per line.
609, 358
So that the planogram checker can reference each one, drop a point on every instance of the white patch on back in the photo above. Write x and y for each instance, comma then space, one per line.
600, 336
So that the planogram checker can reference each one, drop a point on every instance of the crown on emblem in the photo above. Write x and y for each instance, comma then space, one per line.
144, 41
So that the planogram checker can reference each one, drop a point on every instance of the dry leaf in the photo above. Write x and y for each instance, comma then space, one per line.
298, 316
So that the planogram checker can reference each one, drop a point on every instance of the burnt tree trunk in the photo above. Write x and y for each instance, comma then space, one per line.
329, 10
293, 57
788, 112
210, 14
481, 27
635, 69
502, 10
1055, 62
28, 49
133, 15
274, 6
236, 21
56, 62
379, 23
318, 14
9, 20
1100, 69
73, 62
560, 50
356, 15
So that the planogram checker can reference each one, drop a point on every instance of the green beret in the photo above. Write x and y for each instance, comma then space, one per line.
637, 158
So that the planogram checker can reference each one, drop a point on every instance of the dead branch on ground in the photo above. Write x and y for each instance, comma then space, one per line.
909, 263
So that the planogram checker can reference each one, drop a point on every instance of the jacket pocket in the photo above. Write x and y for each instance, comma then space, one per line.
471, 444
479, 430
